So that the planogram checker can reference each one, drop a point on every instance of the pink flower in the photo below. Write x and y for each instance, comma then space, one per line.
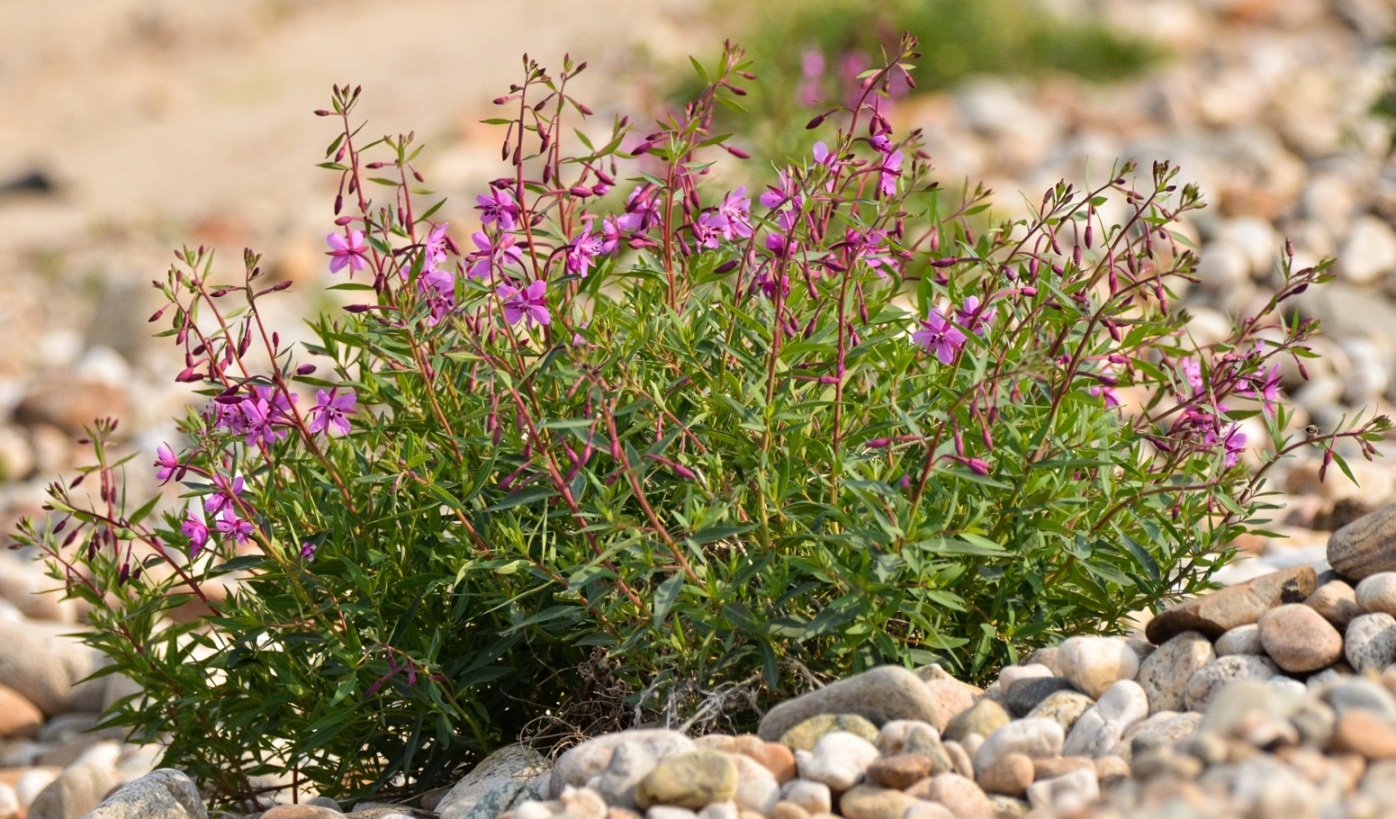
1112, 398
611, 234
529, 303
434, 248
784, 191
581, 251
974, 318
230, 525
709, 228
347, 250
641, 212
1264, 388
166, 461
939, 336
499, 208
197, 532
331, 412
890, 170
736, 209
223, 498
1192, 372
1233, 444
492, 254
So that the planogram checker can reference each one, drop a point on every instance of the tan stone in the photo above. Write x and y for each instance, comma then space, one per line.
1365, 733
899, 770
19, 718
1215, 613
1010, 775
1336, 601
1365, 546
1299, 639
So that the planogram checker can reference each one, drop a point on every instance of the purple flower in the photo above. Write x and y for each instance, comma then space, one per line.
1264, 388
1112, 398
769, 284
736, 209
498, 207
581, 251
265, 415
308, 551
641, 212
347, 250
331, 412
492, 254
1233, 443
434, 248
779, 194
230, 525
974, 318
1192, 373
611, 234
939, 336
709, 228
868, 248
223, 498
197, 532
529, 303
890, 170
166, 461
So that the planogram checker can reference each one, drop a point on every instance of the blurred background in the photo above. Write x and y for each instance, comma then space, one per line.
131, 127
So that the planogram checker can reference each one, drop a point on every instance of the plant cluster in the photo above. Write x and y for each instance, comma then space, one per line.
651, 446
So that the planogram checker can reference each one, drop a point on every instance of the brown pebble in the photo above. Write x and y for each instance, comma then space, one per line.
1336, 602
777, 759
1363, 732
1111, 768
1053, 767
1010, 775
899, 770
788, 810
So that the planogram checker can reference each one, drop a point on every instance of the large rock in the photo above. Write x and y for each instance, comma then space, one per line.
512, 763
882, 694
1166, 672
691, 780
43, 665
1238, 605
1365, 546
161, 794
76, 792
590, 758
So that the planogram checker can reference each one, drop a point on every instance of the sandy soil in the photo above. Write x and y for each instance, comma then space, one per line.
168, 121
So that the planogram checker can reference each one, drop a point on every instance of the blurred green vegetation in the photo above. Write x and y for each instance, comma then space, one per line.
958, 38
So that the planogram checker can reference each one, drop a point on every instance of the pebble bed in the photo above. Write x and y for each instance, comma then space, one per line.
1273, 697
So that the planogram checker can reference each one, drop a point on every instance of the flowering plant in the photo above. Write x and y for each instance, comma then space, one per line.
650, 446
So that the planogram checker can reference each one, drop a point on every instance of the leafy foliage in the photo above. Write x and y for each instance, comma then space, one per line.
665, 451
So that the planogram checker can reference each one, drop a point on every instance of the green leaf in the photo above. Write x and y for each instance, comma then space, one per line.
665, 595
521, 497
